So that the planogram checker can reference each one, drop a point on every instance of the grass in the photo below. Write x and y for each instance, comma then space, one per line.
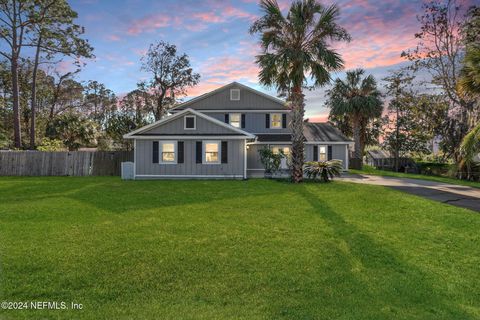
254, 249
372, 171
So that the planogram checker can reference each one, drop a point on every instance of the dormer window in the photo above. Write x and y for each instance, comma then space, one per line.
190, 123
235, 94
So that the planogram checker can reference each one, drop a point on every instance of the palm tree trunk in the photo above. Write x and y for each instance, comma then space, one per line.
358, 144
34, 95
16, 104
296, 125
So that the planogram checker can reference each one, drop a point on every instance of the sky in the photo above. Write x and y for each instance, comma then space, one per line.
214, 34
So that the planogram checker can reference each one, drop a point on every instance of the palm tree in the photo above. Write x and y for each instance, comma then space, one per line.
469, 82
294, 46
358, 99
470, 148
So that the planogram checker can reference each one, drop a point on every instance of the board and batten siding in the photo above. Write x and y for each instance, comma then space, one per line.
144, 167
176, 126
339, 152
255, 121
255, 167
249, 100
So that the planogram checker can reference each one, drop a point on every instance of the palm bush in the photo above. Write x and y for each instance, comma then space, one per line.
470, 149
323, 170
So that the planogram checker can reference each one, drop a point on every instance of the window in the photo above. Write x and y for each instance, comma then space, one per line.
284, 163
168, 152
189, 123
235, 94
236, 119
212, 151
276, 120
322, 153
286, 150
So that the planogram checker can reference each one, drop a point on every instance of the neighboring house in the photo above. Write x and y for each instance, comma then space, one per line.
219, 134
382, 159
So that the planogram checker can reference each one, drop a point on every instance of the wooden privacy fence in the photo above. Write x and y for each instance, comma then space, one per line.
63, 163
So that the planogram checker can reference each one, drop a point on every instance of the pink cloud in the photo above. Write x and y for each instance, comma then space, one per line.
238, 13
64, 67
223, 14
148, 24
140, 52
208, 17
203, 87
318, 118
113, 37
230, 69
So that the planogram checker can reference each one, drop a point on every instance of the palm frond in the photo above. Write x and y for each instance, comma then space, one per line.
470, 146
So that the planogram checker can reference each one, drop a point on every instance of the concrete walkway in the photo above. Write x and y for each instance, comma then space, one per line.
461, 196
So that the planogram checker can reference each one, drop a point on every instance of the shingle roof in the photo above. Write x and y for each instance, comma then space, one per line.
322, 131
274, 137
379, 154
312, 132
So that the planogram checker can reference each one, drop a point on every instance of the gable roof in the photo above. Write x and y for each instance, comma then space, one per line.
379, 154
188, 103
323, 131
138, 132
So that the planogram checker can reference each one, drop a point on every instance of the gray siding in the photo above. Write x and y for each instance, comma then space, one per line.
338, 152
254, 122
203, 126
249, 100
254, 163
234, 167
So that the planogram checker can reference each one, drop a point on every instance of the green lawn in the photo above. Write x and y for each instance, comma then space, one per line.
254, 249
376, 172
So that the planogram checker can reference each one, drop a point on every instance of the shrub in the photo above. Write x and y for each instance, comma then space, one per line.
271, 161
323, 170
51, 145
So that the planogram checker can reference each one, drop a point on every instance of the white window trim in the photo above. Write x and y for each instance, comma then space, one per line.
204, 151
239, 119
160, 151
231, 96
326, 152
271, 120
194, 122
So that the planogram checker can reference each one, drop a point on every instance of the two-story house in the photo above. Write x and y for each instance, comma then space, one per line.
219, 134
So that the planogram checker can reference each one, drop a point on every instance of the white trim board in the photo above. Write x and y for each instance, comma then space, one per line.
131, 135
192, 137
194, 122
235, 111
309, 142
208, 94
170, 176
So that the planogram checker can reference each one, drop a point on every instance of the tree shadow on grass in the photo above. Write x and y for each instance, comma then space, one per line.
31, 189
368, 280
120, 197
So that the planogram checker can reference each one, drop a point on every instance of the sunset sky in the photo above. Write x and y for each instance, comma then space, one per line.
214, 33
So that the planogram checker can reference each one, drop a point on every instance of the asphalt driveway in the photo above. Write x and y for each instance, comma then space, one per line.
461, 196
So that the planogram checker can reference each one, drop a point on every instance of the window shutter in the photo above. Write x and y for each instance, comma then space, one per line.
243, 120
284, 120
224, 151
329, 155
267, 121
315, 153
155, 152
180, 152
227, 118
199, 151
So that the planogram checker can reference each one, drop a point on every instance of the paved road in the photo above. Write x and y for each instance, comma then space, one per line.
461, 196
